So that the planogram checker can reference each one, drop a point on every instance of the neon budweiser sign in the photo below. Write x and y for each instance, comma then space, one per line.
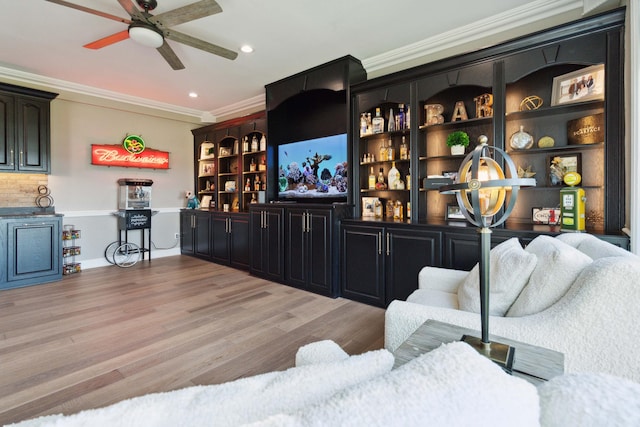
131, 154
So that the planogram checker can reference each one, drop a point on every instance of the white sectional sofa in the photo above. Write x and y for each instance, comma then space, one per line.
581, 297
450, 386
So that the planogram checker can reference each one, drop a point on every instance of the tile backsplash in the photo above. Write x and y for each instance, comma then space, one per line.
20, 189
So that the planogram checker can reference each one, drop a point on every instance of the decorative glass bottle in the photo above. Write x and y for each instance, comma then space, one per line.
377, 123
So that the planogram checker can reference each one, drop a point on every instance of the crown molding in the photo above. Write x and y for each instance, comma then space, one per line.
509, 20
63, 85
256, 103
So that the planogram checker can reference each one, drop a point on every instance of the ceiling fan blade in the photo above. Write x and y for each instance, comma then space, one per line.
200, 44
170, 56
109, 40
132, 10
91, 11
186, 13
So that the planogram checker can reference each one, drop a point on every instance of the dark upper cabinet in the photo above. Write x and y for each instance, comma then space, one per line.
24, 129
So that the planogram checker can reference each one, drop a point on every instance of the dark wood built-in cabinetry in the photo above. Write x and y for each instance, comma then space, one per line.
24, 129
508, 73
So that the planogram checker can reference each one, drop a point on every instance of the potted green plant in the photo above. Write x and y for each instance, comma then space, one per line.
457, 141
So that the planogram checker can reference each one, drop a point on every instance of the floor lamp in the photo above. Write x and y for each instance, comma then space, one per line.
481, 190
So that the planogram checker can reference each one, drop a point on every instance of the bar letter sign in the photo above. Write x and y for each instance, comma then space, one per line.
131, 154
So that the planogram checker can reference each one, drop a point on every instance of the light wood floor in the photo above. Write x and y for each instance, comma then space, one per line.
111, 333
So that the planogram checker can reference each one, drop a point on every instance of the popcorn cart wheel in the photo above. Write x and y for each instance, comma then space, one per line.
122, 254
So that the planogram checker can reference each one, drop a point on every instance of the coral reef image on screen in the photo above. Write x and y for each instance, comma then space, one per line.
314, 168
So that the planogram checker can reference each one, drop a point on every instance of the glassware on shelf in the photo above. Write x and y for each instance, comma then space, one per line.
521, 140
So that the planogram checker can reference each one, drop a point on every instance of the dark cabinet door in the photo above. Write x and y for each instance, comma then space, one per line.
239, 242
187, 225
7, 135
32, 135
363, 264
461, 250
407, 252
34, 250
296, 232
202, 234
220, 239
318, 251
266, 243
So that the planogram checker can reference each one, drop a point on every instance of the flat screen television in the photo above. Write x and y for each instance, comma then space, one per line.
313, 169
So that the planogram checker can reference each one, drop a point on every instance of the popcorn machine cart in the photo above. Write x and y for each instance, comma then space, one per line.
134, 213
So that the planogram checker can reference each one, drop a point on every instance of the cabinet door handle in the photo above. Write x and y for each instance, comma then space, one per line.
264, 219
229, 225
308, 223
379, 243
388, 245
21, 158
12, 160
261, 219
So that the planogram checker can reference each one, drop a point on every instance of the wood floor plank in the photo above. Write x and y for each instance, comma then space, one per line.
110, 333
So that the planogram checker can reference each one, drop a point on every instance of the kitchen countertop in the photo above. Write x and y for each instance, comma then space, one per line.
28, 212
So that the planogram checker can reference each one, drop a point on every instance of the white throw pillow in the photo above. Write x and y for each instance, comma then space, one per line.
450, 386
558, 266
589, 400
509, 271
234, 403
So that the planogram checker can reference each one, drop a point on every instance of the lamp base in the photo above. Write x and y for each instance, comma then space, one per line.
499, 353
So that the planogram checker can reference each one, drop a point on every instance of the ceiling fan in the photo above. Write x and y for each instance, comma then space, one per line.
153, 31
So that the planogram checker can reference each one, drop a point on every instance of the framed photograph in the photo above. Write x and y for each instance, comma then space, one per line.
206, 202
207, 169
453, 213
558, 166
585, 84
547, 216
230, 186
225, 151
368, 204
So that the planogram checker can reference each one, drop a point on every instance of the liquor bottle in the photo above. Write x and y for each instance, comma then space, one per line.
256, 183
389, 208
391, 151
392, 121
393, 177
247, 186
254, 143
363, 124
407, 118
263, 143
408, 210
400, 118
380, 185
408, 182
383, 151
377, 209
245, 145
369, 124
397, 210
372, 180
404, 150
377, 123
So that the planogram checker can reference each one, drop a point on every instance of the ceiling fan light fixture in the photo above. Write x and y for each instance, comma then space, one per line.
145, 35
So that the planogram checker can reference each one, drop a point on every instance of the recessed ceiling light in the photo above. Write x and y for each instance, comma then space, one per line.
193, 95
246, 48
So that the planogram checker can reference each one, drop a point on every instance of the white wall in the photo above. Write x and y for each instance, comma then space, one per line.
87, 194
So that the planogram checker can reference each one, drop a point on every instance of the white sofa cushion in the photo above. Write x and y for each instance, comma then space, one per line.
434, 298
589, 400
509, 271
325, 351
558, 266
234, 403
450, 386
592, 246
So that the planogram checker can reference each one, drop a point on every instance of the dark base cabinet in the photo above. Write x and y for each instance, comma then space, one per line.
307, 237
230, 239
32, 248
220, 237
381, 262
195, 232
266, 234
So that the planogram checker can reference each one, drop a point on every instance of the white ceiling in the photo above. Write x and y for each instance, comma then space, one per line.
42, 42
